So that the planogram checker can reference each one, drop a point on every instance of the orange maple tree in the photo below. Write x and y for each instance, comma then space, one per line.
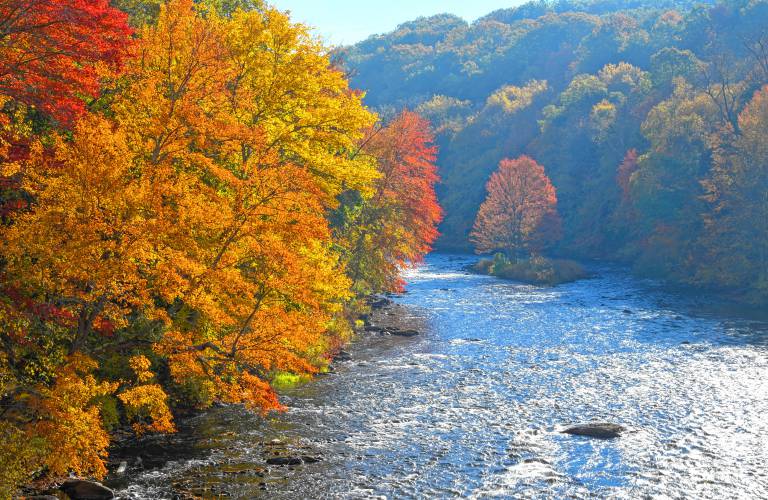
520, 212
242, 126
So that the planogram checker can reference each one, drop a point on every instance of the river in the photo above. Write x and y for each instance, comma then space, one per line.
474, 406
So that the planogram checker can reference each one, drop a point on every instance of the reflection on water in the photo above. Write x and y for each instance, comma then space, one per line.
474, 406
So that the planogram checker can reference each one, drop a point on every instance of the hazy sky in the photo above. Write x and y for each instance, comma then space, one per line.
349, 21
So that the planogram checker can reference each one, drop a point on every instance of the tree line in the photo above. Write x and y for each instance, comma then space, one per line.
193, 200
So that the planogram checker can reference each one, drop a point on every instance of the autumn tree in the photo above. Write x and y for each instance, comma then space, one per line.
51, 50
520, 212
398, 223
51, 54
736, 234
87, 246
183, 228
78, 266
263, 126
242, 132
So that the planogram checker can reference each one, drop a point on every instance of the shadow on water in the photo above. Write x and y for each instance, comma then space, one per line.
474, 406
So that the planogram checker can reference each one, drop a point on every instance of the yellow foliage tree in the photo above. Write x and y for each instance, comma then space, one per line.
146, 401
69, 421
250, 128
187, 223
87, 244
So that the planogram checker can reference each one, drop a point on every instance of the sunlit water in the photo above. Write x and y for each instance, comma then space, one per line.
473, 407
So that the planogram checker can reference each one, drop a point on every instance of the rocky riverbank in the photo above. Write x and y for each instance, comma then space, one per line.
130, 455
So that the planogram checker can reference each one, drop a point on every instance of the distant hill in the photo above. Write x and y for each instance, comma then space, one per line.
578, 85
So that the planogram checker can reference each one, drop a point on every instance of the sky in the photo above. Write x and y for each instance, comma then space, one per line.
343, 22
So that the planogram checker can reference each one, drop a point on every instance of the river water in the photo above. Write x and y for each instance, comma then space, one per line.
474, 406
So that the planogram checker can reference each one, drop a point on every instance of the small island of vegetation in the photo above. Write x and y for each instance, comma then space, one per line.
519, 220
535, 270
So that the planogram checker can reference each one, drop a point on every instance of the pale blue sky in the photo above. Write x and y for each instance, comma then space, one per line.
349, 21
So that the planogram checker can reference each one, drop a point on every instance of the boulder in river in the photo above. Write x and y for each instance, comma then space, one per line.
80, 489
342, 356
284, 461
599, 430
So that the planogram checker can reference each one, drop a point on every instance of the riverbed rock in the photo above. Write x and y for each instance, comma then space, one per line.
380, 303
80, 489
310, 460
599, 430
404, 333
342, 356
284, 461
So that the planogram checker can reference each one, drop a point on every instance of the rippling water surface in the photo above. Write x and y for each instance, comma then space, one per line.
473, 407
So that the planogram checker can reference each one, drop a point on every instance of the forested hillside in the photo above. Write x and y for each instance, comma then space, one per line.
650, 118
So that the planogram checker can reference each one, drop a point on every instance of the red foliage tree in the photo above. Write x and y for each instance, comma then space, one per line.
399, 223
407, 162
49, 49
520, 212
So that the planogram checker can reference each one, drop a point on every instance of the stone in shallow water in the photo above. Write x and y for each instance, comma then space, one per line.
600, 430
342, 357
122, 468
284, 461
79, 489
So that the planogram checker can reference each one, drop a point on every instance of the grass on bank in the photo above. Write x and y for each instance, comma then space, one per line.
287, 380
